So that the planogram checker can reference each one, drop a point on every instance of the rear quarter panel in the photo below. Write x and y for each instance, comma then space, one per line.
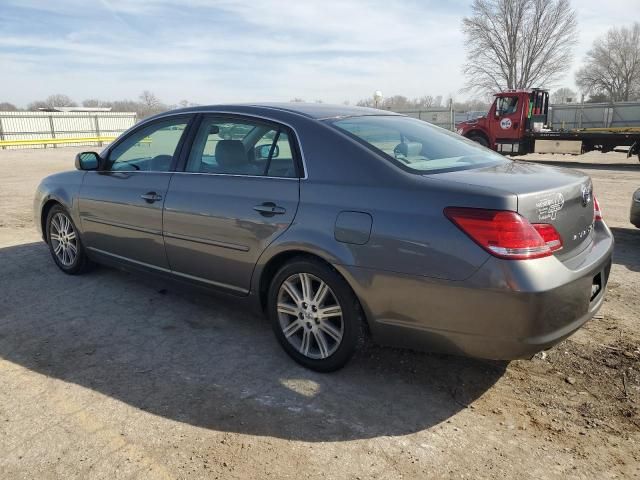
409, 232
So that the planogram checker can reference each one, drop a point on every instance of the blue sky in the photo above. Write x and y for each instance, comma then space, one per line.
227, 50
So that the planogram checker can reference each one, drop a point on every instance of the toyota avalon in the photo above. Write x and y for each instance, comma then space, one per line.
340, 222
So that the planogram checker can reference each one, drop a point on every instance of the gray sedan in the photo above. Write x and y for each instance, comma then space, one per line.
341, 223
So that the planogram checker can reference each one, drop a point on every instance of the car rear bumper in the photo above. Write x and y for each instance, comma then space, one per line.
506, 310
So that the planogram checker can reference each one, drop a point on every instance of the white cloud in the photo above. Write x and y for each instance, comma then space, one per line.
232, 50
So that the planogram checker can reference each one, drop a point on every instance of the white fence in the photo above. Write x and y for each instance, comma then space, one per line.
45, 129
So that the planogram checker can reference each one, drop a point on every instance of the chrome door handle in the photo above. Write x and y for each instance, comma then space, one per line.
269, 209
151, 197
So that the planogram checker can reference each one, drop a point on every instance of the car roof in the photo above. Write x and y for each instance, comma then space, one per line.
318, 111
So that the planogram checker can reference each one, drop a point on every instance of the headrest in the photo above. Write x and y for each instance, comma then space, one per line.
230, 153
409, 149
161, 163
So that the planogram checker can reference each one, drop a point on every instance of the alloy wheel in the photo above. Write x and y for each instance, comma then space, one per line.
310, 315
64, 240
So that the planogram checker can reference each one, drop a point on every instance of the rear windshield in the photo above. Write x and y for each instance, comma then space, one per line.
416, 145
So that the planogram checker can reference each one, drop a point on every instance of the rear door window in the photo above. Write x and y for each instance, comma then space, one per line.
274, 151
242, 147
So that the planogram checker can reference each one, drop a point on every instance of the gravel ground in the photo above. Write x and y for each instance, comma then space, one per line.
113, 375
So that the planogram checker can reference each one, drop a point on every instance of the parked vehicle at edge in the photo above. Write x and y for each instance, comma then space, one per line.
517, 124
634, 216
340, 222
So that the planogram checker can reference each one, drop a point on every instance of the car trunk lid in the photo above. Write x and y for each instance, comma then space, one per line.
545, 194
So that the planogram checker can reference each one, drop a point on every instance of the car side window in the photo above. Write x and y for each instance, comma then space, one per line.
241, 148
274, 150
150, 149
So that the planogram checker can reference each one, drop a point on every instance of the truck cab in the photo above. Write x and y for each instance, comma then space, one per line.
512, 116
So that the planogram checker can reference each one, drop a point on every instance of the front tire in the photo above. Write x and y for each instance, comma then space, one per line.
479, 139
64, 242
314, 314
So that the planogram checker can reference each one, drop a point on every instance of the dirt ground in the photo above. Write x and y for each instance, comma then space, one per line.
111, 375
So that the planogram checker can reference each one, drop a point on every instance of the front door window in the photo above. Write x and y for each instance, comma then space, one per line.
151, 149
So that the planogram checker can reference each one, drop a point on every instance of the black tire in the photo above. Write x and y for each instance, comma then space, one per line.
479, 139
81, 262
351, 319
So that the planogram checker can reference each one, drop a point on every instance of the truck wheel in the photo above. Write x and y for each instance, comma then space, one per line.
479, 139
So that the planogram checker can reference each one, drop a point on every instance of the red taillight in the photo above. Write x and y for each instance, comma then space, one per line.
597, 213
550, 236
506, 234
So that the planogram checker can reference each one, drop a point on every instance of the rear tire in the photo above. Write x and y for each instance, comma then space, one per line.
479, 139
64, 242
314, 314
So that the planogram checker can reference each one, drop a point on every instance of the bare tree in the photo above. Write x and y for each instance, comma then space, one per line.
473, 105
150, 104
397, 102
52, 101
400, 102
612, 66
425, 101
366, 102
149, 100
518, 43
126, 106
563, 95
7, 107
59, 100
95, 103
598, 98
37, 105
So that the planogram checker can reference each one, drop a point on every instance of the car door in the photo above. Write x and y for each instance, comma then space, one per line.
238, 192
508, 119
121, 204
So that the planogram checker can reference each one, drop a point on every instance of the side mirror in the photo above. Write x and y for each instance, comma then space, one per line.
262, 152
88, 161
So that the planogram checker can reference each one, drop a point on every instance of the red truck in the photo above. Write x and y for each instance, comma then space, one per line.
517, 124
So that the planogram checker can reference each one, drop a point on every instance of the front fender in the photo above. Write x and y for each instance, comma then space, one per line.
62, 188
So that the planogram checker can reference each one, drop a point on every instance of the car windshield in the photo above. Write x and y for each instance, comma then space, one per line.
417, 145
